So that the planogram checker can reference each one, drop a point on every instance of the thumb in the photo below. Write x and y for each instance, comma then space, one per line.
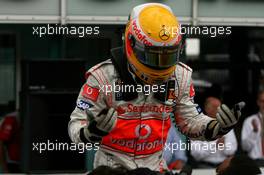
237, 109
239, 106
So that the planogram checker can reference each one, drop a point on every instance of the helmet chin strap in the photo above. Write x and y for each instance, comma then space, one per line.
141, 81
135, 77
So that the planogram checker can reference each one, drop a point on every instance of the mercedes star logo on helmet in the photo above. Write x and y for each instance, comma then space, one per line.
164, 34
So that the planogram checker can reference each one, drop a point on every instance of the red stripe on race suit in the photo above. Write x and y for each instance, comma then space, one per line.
129, 138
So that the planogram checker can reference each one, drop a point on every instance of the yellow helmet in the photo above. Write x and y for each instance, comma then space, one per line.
152, 42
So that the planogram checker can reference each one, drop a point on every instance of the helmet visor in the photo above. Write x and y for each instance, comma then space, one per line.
157, 56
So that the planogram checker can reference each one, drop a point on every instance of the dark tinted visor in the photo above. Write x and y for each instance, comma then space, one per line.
157, 56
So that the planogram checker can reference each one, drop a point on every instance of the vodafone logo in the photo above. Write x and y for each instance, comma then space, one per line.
90, 92
140, 36
143, 131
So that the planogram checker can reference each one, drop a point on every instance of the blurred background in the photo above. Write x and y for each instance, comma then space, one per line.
40, 77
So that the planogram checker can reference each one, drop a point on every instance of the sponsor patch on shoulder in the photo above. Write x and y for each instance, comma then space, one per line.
83, 105
90, 92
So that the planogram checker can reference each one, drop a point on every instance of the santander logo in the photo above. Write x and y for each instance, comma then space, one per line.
140, 36
144, 108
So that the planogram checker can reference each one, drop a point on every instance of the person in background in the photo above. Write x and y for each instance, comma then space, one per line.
177, 158
9, 143
253, 131
238, 165
225, 146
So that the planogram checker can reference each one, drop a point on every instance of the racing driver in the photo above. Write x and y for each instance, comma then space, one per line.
131, 126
